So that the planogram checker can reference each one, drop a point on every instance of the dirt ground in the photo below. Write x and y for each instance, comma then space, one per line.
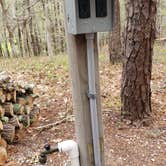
125, 144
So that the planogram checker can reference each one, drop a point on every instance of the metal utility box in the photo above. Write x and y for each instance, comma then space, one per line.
89, 16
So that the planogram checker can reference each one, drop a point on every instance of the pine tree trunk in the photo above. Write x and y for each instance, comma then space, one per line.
115, 36
137, 65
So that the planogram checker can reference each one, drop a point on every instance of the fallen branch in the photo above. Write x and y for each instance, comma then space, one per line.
48, 126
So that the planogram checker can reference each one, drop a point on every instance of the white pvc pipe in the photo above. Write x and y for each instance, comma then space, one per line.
70, 147
92, 98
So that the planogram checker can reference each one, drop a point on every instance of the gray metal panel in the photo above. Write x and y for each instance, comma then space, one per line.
70, 11
75, 25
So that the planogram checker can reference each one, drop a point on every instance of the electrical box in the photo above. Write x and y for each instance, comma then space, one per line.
89, 16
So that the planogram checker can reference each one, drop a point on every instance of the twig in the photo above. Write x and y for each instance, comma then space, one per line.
48, 126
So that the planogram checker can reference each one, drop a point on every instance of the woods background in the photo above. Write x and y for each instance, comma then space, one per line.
36, 28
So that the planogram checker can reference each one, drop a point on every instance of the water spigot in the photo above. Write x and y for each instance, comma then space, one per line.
47, 150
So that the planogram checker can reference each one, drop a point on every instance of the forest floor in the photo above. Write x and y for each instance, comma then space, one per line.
125, 144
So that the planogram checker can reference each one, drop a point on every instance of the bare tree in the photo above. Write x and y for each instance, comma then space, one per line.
10, 25
48, 31
115, 51
32, 27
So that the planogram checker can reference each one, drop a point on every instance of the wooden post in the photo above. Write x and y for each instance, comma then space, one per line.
79, 74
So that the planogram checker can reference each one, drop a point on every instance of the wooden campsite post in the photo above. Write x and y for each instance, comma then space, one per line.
79, 75
84, 18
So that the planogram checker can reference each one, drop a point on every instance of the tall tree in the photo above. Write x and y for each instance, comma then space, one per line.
115, 36
8, 16
31, 27
48, 30
32, 37
137, 65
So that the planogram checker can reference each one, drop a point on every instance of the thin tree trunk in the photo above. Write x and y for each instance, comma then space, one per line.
33, 44
31, 12
12, 12
20, 41
26, 41
6, 43
37, 40
1, 51
48, 31
12, 43
115, 50
55, 27
9, 25
137, 65
12, 8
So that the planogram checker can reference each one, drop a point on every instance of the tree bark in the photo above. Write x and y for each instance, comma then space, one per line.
137, 64
8, 21
1, 50
48, 30
33, 36
20, 40
115, 47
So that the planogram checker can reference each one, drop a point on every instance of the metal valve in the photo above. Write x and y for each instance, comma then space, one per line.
47, 151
